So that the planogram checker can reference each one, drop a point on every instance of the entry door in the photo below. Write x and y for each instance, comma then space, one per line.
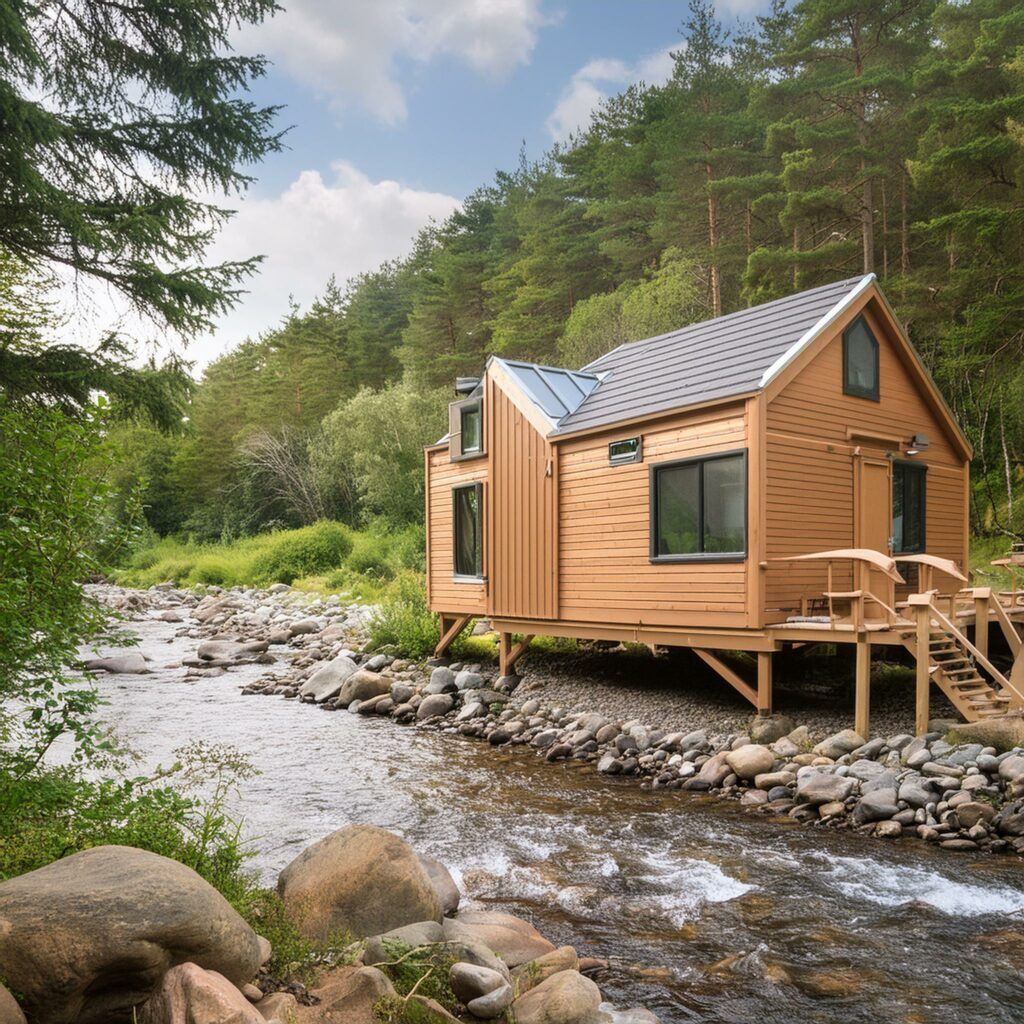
874, 519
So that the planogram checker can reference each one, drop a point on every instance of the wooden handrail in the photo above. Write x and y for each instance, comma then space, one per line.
978, 656
1006, 625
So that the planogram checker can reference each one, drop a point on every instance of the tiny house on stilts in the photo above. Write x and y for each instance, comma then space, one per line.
782, 476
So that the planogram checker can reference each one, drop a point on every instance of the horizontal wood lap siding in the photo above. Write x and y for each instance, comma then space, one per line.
811, 467
605, 572
521, 513
445, 595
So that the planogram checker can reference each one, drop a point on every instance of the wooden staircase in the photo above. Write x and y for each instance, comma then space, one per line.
953, 665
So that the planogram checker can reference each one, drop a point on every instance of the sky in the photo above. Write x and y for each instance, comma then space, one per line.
397, 109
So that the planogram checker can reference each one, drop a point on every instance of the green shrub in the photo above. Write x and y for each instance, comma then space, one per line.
371, 556
409, 548
310, 551
402, 618
212, 569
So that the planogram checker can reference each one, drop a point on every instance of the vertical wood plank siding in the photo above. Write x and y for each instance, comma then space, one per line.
443, 593
521, 513
605, 574
811, 466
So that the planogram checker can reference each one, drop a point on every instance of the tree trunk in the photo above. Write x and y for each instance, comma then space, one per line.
716, 279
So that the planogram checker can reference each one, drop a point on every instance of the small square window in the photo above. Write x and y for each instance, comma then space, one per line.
472, 434
629, 449
860, 361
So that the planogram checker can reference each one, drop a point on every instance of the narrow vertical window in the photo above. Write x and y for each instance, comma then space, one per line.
468, 509
472, 432
908, 508
860, 361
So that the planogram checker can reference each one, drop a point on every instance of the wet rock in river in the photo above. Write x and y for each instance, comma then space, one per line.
435, 704
363, 685
821, 788
327, 680
118, 664
444, 885
510, 937
875, 806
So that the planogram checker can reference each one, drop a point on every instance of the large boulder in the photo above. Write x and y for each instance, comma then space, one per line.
435, 704
564, 998
363, 685
362, 880
510, 937
328, 679
86, 938
10, 1011
533, 972
423, 933
190, 995
750, 760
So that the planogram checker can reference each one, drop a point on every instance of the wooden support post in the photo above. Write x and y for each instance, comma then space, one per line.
862, 699
923, 659
764, 682
451, 627
980, 623
509, 653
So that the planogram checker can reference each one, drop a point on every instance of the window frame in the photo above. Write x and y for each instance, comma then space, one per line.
476, 485
698, 556
922, 469
627, 460
853, 390
457, 411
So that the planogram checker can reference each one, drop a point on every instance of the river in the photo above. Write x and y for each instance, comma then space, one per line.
707, 913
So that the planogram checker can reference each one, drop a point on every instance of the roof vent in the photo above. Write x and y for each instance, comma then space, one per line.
466, 385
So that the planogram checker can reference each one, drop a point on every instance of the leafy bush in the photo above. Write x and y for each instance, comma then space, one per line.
372, 555
212, 569
409, 548
403, 620
312, 550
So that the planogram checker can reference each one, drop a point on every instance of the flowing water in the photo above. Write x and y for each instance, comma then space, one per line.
707, 913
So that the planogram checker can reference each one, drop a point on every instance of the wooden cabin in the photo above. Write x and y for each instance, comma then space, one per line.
786, 474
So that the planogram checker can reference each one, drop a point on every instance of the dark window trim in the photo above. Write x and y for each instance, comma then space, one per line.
477, 486
871, 394
627, 460
700, 556
921, 468
459, 455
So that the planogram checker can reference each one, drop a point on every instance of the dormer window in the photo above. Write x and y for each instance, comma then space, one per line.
860, 361
466, 427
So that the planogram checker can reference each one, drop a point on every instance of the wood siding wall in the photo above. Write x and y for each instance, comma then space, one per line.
605, 572
810, 479
443, 593
522, 521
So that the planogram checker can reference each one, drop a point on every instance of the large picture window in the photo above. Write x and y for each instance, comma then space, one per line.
860, 361
908, 507
468, 516
699, 508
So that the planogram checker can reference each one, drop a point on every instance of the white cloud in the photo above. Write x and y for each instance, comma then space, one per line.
315, 228
598, 79
348, 51
344, 226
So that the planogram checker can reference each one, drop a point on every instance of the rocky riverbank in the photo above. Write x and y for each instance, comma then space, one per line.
118, 934
967, 795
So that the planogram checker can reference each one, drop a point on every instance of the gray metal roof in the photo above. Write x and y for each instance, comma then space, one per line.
730, 355
558, 393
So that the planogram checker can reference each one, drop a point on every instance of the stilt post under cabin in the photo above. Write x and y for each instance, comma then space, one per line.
862, 698
764, 682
